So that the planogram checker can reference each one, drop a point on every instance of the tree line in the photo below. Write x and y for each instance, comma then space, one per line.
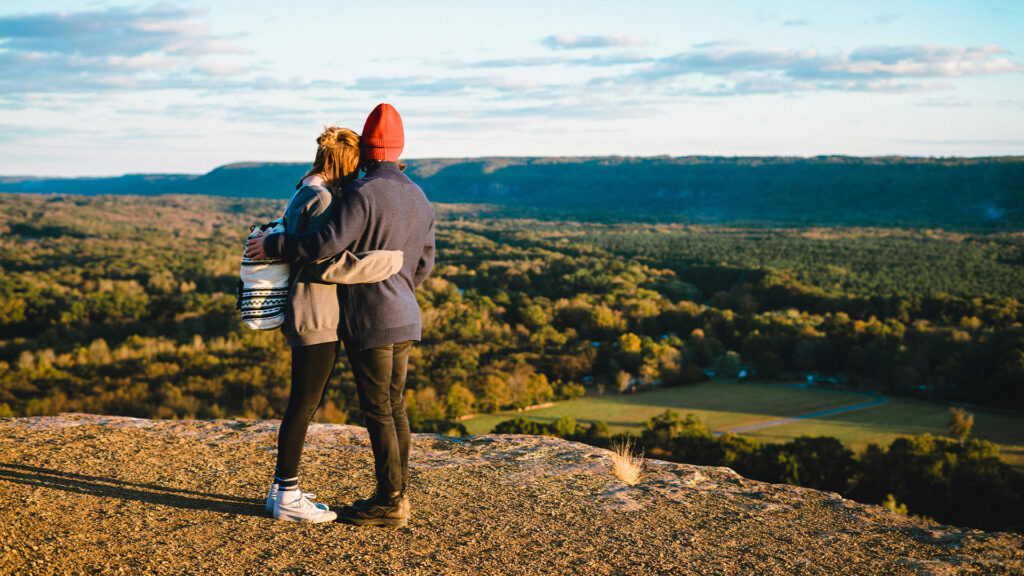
126, 305
957, 481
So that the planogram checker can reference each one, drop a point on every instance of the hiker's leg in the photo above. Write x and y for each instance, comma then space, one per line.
372, 370
399, 368
311, 369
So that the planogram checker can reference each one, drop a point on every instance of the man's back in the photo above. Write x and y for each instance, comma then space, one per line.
397, 217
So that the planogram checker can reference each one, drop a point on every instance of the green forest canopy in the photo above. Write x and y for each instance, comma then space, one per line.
126, 304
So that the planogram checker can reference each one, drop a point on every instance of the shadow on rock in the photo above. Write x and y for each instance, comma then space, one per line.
113, 488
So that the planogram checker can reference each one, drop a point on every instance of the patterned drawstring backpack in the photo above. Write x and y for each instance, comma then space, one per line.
264, 287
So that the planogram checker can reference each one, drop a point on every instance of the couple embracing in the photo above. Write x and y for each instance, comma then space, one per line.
333, 211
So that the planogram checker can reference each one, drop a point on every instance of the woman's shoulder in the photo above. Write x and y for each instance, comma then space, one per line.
312, 200
312, 192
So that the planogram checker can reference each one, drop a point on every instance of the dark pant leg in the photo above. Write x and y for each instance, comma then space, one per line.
381, 388
399, 368
311, 369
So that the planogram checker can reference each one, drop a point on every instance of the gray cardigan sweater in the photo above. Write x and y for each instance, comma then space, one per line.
382, 211
312, 315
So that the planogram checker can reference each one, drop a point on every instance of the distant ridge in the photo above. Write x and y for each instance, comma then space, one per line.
972, 193
141, 184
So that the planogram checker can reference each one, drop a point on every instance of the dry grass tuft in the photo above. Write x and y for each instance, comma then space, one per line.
625, 465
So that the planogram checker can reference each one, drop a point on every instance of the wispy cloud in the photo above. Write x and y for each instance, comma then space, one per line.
574, 108
797, 22
980, 142
113, 49
49, 102
430, 86
265, 114
115, 31
926, 60
585, 109
919, 68
719, 44
712, 69
574, 42
513, 62
15, 132
600, 60
944, 103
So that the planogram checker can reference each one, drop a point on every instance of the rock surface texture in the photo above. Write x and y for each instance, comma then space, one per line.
97, 494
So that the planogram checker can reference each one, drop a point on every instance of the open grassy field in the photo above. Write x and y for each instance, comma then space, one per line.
902, 417
723, 404
720, 404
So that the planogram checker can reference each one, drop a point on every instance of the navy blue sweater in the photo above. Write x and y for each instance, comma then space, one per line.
382, 211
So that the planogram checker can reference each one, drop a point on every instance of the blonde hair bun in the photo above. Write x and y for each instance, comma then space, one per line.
337, 157
332, 137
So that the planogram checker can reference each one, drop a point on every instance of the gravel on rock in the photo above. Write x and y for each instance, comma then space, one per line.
86, 494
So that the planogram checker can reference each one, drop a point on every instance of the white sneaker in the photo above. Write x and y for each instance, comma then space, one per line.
296, 506
272, 496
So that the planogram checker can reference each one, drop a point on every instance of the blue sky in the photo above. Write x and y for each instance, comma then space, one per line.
98, 88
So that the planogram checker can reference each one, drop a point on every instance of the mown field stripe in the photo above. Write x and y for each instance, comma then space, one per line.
877, 399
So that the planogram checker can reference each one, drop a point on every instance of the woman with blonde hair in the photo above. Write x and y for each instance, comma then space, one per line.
311, 322
384, 210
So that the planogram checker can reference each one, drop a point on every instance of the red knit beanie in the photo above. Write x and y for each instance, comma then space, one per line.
383, 137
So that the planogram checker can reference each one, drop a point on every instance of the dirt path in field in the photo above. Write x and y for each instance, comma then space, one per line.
107, 495
876, 400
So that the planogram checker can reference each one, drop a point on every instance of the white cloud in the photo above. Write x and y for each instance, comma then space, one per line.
875, 69
574, 42
220, 68
112, 49
430, 86
713, 69
719, 44
944, 103
112, 31
600, 60
928, 61
512, 63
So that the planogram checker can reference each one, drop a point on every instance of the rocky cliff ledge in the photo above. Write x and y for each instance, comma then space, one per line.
94, 494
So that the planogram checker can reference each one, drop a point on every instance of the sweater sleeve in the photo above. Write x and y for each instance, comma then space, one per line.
426, 263
345, 225
308, 207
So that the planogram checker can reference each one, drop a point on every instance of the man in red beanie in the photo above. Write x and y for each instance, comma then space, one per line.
383, 137
384, 210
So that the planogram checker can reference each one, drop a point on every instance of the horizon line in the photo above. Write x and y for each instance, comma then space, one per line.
240, 163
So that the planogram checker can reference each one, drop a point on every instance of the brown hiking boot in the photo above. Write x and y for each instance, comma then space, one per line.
390, 512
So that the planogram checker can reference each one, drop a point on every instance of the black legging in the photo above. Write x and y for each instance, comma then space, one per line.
311, 369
